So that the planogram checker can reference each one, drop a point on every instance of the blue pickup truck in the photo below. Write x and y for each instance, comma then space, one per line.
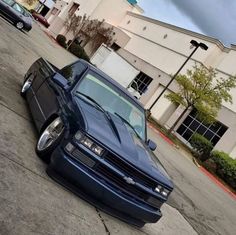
93, 135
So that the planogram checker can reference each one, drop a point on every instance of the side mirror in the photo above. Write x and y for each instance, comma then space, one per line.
60, 81
151, 145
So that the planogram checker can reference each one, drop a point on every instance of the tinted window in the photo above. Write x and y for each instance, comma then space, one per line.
26, 13
193, 125
9, 2
18, 8
71, 72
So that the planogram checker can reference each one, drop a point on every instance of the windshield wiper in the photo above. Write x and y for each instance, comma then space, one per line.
126, 122
107, 115
94, 101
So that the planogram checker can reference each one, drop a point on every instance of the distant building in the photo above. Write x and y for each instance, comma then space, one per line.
44, 6
41, 6
113, 11
157, 50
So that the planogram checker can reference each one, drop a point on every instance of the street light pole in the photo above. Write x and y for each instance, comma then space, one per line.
196, 45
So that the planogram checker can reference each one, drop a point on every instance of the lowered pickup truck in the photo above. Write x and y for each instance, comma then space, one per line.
93, 134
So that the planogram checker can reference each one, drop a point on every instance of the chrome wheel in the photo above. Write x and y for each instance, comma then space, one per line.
27, 84
19, 25
50, 134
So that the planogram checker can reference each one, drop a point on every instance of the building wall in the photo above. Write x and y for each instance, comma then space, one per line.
164, 39
228, 141
113, 11
150, 70
159, 49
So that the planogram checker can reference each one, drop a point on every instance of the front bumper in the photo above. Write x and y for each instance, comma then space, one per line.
83, 182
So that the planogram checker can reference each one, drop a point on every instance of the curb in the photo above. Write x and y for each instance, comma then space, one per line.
217, 182
51, 37
196, 163
214, 179
162, 135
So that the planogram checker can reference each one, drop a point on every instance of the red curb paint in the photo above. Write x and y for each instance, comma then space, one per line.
51, 37
161, 134
217, 182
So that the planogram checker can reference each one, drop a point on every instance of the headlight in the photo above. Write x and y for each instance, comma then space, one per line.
87, 142
163, 191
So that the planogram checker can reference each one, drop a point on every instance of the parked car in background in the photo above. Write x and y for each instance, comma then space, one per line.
93, 133
40, 18
16, 14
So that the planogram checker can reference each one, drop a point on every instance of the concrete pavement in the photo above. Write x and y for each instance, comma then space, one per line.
208, 208
30, 202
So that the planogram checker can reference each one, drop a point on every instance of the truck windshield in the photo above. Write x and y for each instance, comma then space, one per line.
114, 101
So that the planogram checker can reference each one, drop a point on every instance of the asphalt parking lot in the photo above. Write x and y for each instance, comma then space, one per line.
30, 202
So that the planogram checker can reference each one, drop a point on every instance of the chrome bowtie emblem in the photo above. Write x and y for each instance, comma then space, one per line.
129, 180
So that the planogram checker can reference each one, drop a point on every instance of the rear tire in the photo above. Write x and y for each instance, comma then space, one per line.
49, 139
19, 25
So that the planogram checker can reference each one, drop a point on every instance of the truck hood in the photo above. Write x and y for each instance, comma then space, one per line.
116, 136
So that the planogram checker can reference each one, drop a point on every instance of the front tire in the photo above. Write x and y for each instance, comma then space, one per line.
49, 139
26, 85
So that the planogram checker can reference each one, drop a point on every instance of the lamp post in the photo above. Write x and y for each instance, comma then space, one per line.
196, 45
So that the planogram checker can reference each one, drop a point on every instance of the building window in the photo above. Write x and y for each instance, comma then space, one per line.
73, 8
115, 46
212, 132
141, 82
54, 11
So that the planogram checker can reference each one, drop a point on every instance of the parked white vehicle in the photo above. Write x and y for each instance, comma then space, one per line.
116, 67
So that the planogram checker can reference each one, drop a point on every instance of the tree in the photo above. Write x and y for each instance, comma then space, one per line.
95, 31
30, 2
202, 90
99, 34
75, 24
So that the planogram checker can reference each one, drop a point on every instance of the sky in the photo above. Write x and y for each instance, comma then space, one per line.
215, 18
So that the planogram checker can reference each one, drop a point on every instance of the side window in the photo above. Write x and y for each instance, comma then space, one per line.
9, 2
26, 14
18, 8
71, 72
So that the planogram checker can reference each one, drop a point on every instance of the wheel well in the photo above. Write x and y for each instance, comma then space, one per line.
48, 121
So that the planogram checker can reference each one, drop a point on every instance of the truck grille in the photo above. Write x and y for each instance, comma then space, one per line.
127, 169
119, 182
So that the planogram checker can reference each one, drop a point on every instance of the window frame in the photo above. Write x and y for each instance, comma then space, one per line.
143, 81
207, 128
16, 4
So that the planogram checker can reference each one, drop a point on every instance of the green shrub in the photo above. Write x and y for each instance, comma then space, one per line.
61, 39
78, 51
225, 167
210, 165
202, 146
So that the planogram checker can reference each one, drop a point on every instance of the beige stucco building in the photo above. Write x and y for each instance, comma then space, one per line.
112, 11
158, 50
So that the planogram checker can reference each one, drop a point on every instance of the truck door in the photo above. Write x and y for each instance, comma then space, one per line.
48, 93
38, 96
